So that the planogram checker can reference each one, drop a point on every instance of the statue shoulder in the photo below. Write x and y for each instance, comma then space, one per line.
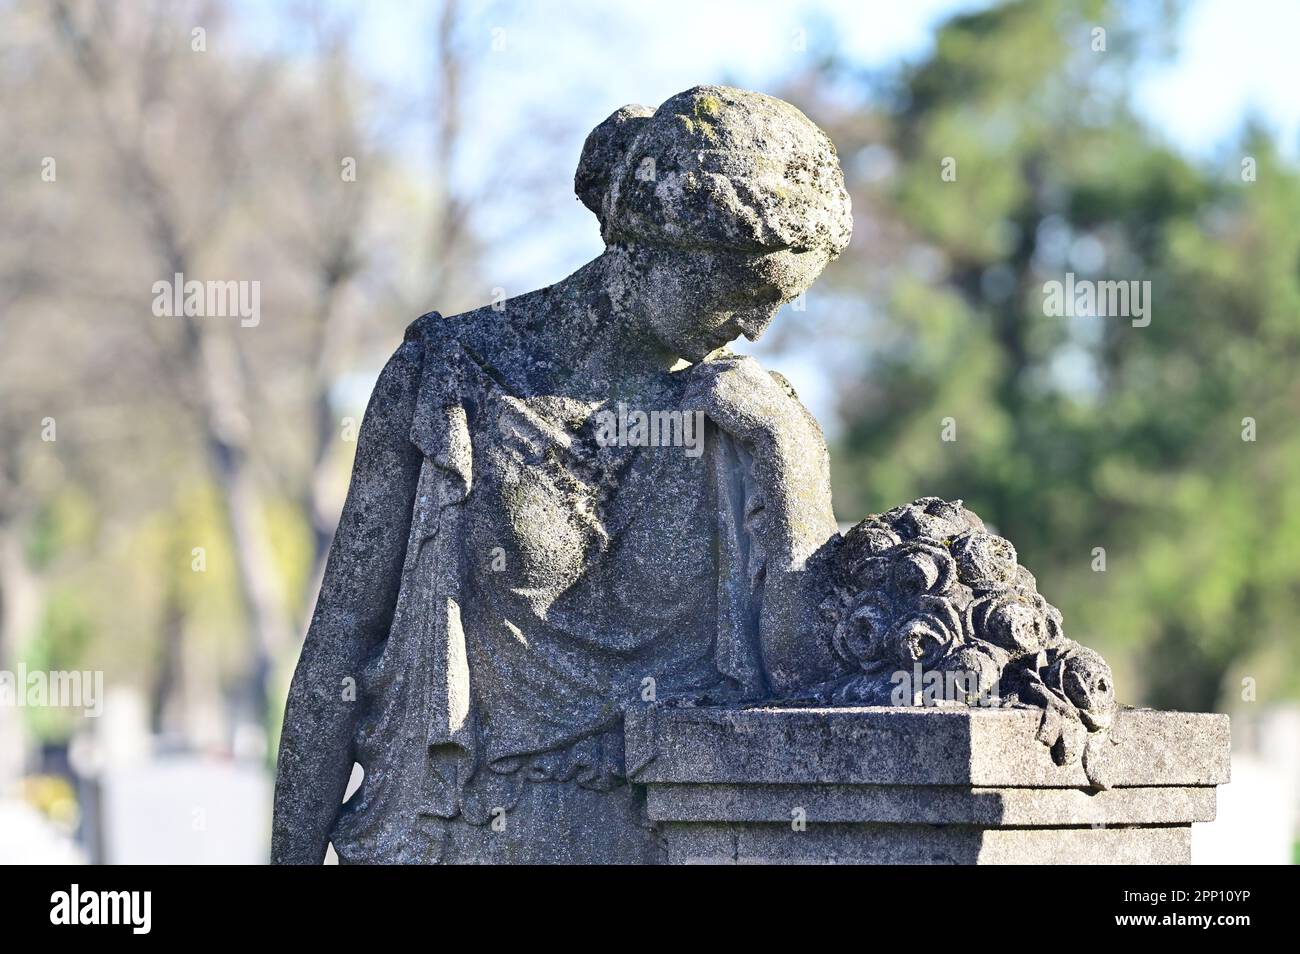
445, 379
425, 332
412, 369
437, 337
430, 345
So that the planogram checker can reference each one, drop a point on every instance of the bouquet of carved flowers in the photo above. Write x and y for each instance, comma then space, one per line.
930, 608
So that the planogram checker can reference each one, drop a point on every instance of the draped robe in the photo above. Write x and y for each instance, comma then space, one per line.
548, 584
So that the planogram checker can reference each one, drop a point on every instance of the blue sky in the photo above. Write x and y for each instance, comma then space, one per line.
571, 64
1234, 56
575, 62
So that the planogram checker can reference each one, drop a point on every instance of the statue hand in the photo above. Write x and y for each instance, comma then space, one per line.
790, 464
745, 400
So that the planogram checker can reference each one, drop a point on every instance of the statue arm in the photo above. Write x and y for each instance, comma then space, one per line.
799, 535
788, 520
351, 620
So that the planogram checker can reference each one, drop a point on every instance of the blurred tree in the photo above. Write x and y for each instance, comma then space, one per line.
153, 140
1006, 158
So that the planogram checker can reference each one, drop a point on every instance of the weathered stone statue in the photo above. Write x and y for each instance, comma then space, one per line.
507, 579
576, 502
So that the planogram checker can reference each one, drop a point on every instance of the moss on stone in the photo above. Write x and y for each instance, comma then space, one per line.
708, 105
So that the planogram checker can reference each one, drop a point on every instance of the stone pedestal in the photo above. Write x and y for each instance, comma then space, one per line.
921, 786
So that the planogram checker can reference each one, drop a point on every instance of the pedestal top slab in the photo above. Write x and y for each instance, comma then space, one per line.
914, 746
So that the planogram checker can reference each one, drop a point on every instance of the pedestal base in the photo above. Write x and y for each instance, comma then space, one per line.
920, 786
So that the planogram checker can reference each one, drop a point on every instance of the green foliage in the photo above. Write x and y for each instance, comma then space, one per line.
65, 633
1075, 434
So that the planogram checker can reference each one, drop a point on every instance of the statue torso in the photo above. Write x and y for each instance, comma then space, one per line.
592, 571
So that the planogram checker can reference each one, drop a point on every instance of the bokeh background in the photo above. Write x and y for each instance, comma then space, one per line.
169, 487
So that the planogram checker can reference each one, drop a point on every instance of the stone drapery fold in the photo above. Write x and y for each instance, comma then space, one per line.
420, 739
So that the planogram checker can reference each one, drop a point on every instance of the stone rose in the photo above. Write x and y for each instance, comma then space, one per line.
1083, 677
1017, 622
985, 662
859, 637
918, 568
928, 634
931, 518
872, 538
984, 561
860, 555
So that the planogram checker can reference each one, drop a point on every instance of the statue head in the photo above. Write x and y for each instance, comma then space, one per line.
727, 204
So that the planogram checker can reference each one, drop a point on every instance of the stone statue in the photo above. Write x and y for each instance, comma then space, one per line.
578, 501
504, 582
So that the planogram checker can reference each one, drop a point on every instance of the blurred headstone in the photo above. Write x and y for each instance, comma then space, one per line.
1256, 822
28, 838
186, 810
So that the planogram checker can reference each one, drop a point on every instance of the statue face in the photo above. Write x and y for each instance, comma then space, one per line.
697, 300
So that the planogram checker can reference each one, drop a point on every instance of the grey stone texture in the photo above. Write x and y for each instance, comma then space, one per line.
878, 785
984, 748
926, 845
934, 804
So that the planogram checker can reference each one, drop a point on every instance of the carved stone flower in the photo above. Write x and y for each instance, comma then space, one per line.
917, 568
860, 558
919, 640
874, 538
1082, 676
984, 561
985, 662
932, 518
927, 583
860, 635
1018, 622
926, 635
